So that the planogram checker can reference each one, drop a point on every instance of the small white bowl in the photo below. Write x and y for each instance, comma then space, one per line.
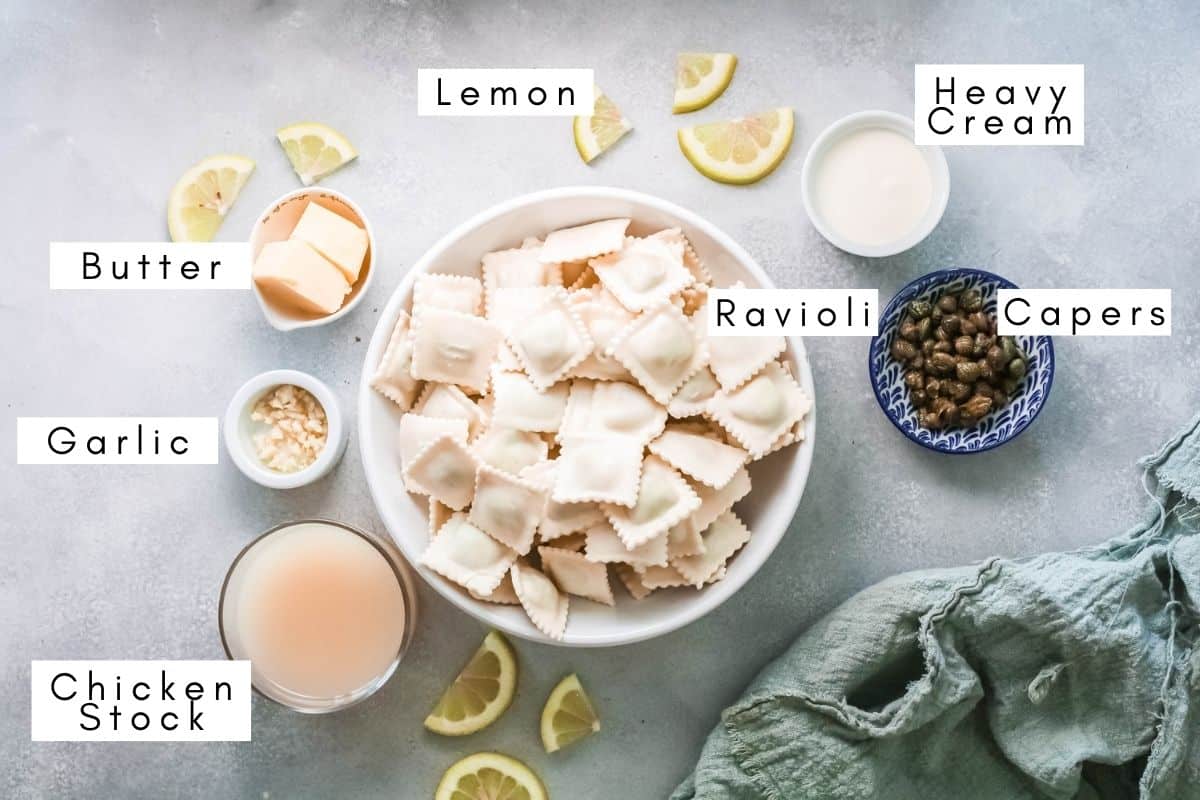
240, 429
276, 224
890, 121
778, 479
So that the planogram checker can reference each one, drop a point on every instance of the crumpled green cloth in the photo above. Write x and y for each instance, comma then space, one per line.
1065, 675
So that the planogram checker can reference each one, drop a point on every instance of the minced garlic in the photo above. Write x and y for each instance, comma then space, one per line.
297, 432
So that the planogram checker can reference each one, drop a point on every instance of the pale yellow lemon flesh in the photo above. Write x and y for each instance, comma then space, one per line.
742, 150
203, 196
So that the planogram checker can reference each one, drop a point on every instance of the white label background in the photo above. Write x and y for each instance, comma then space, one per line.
54, 720
66, 265
201, 433
580, 81
1095, 301
776, 302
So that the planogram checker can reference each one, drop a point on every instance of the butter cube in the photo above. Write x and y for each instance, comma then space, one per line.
333, 236
297, 277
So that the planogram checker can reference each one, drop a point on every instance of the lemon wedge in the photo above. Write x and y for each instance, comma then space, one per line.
203, 196
315, 150
481, 692
597, 133
742, 150
700, 78
490, 776
568, 715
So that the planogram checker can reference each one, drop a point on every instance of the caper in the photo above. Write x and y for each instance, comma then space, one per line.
948, 304
930, 420
981, 322
941, 347
908, 330
927, 346
933, 386
982, 343
995, 357
959, 390
967, 371
919, 398
1011, 350
919, 308
968, 327
941, 334
914, 379
976, 407
918, 361
951, 326
985, 370
1016, 368
903, 350
946, 411
964, 345
942, 363
971, 300
1011, 385
924, 327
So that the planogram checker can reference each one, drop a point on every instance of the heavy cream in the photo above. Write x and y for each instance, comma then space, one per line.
873, 186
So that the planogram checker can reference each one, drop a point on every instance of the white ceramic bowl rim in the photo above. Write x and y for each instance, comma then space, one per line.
247, 461
934, 157
278, 321
712, 595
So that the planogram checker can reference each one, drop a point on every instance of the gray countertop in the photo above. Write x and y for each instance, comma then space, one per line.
105, 104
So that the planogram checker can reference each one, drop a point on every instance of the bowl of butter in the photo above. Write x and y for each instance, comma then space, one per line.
313, 252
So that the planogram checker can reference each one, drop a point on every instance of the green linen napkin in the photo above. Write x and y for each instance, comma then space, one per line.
1065, 675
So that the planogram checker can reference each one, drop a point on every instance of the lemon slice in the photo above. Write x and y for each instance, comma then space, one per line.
597, 133
203, 196
315, 150
742, 150
568, 715
700, 78
480, 693
490, 776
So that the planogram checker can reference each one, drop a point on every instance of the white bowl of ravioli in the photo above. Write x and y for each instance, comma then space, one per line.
552, 439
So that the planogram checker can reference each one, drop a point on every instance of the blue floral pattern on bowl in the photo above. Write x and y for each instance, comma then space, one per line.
998, 427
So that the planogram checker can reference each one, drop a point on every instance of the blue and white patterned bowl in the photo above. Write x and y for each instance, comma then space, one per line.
887, 374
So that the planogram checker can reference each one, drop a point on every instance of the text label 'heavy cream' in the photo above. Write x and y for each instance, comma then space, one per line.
117, 440
149, 265
998, 104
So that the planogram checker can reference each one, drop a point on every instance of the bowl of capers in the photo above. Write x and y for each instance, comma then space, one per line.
942, 373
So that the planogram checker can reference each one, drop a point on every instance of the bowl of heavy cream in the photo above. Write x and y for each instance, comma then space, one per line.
869, 189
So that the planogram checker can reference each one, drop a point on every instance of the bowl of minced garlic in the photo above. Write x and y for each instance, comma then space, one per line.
284, 429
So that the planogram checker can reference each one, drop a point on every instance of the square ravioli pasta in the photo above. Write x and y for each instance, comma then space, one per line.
459, 293
550, 341
452, 347
601, 469
664, 500
565, 415
644, 273
393, 377
662, 348
469, 557
762, 409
